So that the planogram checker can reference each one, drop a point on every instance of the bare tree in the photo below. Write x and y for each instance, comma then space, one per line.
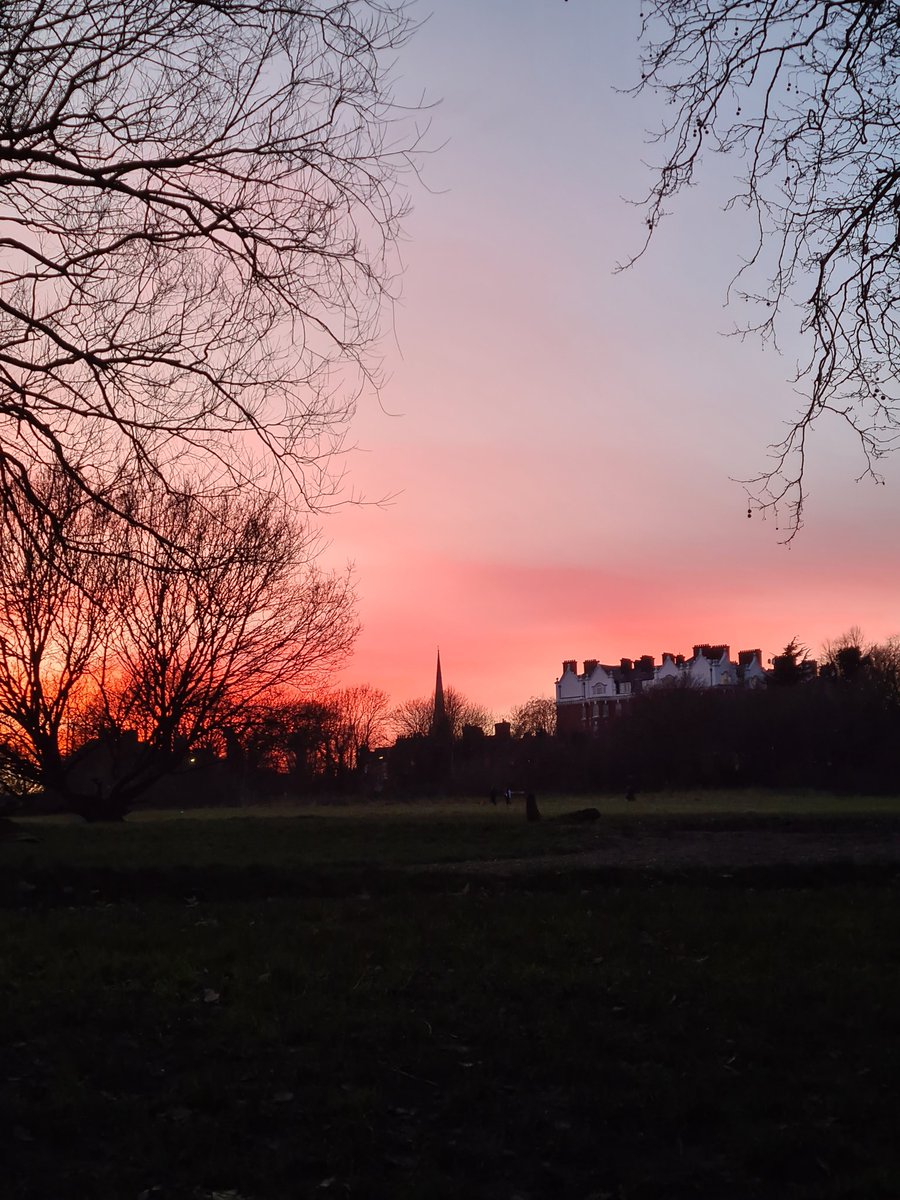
414, 717
328, 731
848, 648
53, 625
203, 634
884, 670
804, 94
310, 737
259, 737
535, 716
114, 665
363, 712
852, 661
198, 202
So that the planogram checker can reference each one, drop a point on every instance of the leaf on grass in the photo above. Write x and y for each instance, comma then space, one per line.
405, 1162
210, 996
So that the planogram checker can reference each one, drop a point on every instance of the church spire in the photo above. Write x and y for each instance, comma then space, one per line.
440, 726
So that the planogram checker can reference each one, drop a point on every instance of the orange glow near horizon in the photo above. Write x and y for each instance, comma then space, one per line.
504, 630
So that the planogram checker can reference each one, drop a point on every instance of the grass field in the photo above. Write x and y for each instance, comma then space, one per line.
400, 834
386, 1033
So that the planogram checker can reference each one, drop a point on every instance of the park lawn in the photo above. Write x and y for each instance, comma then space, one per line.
180, 1021
289, 837
497, 1039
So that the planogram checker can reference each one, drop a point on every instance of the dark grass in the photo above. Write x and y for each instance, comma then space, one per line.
321, 853
412, 1036
291, 842
284, 839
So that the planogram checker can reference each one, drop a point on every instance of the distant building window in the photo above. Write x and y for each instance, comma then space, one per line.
599, 689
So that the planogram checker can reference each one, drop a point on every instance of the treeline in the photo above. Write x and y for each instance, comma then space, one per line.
180, 656
837, 729
833, 725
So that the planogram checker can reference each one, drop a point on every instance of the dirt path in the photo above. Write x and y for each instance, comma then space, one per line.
847, 842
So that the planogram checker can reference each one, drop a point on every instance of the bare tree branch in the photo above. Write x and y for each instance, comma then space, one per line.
804, 94
198, 204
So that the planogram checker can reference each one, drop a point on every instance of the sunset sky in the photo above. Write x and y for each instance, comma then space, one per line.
560, 441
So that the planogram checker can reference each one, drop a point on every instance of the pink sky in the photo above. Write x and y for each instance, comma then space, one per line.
560, 441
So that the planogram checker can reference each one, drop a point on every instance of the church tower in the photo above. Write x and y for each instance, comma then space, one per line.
440, 723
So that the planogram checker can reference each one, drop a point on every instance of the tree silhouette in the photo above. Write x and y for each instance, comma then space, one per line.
414, 717
53, 624
804, 94
200, 636
535, 716
787, 667
845, 656
120, 654
198, 206
326, 734
883, 669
